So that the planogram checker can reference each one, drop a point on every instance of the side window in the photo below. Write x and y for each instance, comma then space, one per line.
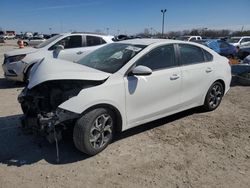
193, 39
159, 58
94, 41
245, 40
190, 54
208, 56
69, 42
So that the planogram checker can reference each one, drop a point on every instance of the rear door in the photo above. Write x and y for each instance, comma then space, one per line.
197, 69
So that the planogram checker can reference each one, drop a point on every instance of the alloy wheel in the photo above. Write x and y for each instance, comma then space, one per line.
215, 96
101, 131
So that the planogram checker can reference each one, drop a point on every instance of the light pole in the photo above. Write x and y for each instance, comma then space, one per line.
163, 15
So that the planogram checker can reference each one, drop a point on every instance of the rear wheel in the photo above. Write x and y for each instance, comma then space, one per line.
214, 96
94, 131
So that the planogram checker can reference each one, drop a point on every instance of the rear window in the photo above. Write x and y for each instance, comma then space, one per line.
208, 56
94, 41
190, 54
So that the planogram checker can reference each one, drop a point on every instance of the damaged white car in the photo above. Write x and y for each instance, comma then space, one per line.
120, 86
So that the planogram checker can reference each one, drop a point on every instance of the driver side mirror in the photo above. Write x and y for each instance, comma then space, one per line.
57, 50
59, 47
141, 71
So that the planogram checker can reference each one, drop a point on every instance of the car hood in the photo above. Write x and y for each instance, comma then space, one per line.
26, 50
57, 69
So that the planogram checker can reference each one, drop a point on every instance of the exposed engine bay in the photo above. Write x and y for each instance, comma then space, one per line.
40, 106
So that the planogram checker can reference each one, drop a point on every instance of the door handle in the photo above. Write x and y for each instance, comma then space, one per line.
174, 77
209, 69
79, 53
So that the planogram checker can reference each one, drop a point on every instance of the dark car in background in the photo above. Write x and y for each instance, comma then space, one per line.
220, 46
244, 51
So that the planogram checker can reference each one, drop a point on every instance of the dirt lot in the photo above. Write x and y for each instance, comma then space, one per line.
190, 149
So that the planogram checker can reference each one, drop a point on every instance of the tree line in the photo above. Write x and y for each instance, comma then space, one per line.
206, 33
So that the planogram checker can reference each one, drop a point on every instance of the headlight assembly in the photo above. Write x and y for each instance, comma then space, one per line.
15, 58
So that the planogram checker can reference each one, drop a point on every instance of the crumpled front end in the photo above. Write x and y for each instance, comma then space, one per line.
40, 106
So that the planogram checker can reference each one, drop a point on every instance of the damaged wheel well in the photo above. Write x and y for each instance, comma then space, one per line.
118, 117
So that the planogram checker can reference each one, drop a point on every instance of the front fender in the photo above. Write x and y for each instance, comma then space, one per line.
109, 94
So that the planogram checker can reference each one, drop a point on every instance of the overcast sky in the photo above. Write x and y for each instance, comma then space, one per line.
122, 16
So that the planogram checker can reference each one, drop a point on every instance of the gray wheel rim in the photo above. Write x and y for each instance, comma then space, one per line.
215, 96
101, 131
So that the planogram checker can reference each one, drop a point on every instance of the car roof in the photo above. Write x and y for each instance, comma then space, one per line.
146, 41
240, 37
85, 33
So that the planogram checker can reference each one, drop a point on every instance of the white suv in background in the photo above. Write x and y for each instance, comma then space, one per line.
69, 46
9, 36
190, 38
238, 41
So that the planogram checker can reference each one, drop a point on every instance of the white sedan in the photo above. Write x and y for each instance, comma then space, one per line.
120, 86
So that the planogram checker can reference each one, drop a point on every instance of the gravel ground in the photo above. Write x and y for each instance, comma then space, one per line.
190, 149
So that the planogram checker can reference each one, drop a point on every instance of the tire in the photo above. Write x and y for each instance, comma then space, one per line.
27, 111
27, 74
213, 96
90, 134
24, 108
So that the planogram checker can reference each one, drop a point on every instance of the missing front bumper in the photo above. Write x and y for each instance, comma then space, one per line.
48, 123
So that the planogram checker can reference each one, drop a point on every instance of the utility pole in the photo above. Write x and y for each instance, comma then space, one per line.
163, 15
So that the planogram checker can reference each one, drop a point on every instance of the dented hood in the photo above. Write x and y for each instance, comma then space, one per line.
26, 50
57, 69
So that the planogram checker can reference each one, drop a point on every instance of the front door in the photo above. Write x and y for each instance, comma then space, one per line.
150, 97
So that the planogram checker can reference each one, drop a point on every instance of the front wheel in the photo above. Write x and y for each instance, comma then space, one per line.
94, 131
27, 75
214, 96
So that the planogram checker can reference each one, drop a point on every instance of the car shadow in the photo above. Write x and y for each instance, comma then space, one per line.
6, 84
18, 148
157, 123
236, 82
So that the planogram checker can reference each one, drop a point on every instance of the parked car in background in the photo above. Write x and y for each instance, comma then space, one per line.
189, 38
238, 41
47, 36
220, 46
69, 46
9, 36
33, 41
28, 35
244, 51
108, 90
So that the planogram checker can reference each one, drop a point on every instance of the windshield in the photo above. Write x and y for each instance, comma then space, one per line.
111, 57
233, 40
45, 43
